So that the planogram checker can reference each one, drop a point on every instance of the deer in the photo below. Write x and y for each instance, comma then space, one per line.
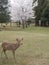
11, 46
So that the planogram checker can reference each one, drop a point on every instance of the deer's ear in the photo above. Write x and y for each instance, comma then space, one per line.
17, 39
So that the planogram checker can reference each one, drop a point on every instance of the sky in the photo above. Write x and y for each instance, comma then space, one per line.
16, 9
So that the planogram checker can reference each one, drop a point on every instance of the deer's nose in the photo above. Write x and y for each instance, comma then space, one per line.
21, 43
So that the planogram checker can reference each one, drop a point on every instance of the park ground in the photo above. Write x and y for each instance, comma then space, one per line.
35, 48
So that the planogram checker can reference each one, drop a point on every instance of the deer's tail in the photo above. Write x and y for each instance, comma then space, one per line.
0, 43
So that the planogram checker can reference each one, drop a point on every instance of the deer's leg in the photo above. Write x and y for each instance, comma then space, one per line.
1, 53
5, 54
14, 56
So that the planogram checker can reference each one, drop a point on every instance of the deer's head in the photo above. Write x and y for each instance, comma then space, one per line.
19, 41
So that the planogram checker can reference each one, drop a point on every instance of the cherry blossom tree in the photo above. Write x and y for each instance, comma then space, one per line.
21, 10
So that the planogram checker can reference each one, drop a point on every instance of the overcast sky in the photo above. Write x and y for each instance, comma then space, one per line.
16, 9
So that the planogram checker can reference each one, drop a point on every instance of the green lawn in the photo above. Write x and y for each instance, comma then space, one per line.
35, 48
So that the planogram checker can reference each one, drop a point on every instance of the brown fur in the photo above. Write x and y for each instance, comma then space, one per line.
11, 46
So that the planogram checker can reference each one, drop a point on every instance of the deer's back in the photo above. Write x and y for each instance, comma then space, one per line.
9, 46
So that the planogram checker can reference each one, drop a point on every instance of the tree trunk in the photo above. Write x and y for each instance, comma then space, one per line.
26, 24
48, 23
42, 23
23, 24
36, 23
45, 23
19, 23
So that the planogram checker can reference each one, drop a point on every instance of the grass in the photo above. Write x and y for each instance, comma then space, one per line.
35, 48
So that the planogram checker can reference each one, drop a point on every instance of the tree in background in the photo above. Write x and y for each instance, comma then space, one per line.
21, 11
4, 11
45, 16
40, 12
